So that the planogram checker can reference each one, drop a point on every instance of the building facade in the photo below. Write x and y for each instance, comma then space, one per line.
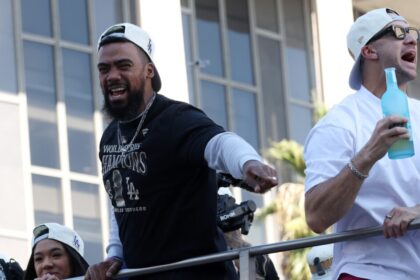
257, 67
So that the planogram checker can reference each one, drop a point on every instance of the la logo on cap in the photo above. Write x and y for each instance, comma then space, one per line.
149, 47
76, 242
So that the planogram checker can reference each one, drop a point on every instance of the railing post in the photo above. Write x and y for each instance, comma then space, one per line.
246, 265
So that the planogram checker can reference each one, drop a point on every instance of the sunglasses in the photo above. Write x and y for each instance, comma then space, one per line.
399, 32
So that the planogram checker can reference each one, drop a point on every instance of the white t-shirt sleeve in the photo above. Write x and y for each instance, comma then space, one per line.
114, 248
228, 152
327, 150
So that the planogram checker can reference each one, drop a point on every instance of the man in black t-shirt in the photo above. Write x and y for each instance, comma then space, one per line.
158, 159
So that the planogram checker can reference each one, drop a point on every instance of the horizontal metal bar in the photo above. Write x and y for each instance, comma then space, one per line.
262, 249
324, 239
228, 255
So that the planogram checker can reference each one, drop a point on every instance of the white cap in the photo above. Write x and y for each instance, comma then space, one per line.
323, 256
59, 233
137, 36
362, 30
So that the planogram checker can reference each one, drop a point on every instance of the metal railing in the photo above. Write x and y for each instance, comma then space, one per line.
247, 255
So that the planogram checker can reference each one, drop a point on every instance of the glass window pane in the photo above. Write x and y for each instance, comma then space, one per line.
110, 12
300, 122
266, 11
296, 51
74, 21
213, 102
272, 86
36, 17
239, 41
87, 219
48, 201
209, 37
79, 107
245, 116
298, 79
40, 91
188, 56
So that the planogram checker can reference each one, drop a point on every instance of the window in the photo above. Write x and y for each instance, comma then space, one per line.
298, 72
74, 21
42, 100
52, 49
37, 17
78, 98
213, 97
239, 37
86, 218
224, 67
48, 200
59, 86
234, 50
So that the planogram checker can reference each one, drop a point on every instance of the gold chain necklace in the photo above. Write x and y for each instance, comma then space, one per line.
121, 141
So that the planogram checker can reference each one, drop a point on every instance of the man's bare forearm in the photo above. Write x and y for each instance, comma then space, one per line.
329, 201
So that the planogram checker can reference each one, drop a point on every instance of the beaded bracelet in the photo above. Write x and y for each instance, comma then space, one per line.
356, 172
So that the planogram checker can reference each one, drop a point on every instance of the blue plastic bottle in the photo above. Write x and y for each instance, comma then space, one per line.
394, 102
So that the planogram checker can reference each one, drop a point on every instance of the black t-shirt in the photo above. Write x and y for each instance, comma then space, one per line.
163, 193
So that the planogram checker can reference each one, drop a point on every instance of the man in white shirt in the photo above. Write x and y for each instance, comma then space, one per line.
350, 181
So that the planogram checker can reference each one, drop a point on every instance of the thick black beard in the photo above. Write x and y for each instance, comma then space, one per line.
128, 112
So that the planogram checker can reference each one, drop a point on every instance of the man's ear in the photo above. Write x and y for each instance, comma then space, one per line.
369, 52
150, 70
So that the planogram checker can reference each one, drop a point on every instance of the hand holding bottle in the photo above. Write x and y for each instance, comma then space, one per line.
394, 102
385, 134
